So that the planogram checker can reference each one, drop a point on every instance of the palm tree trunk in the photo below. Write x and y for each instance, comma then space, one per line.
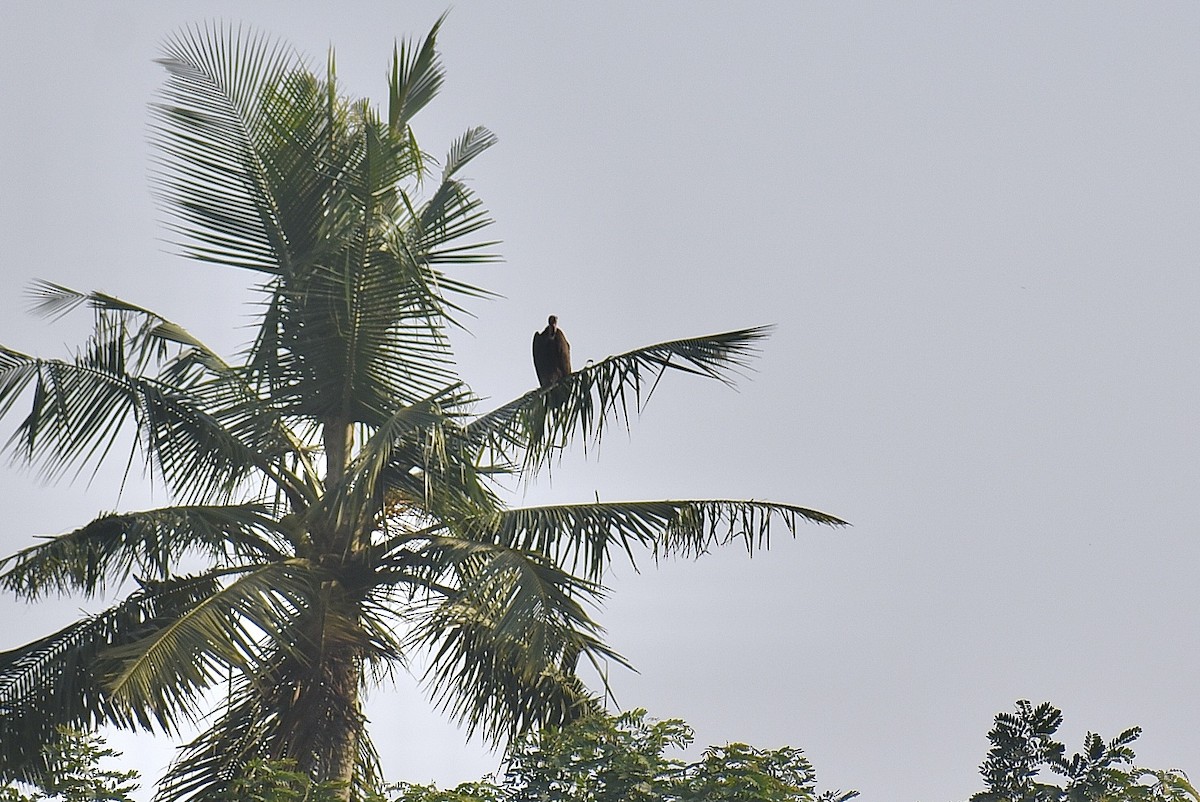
321, 719
339, 443
343, 664
345, 676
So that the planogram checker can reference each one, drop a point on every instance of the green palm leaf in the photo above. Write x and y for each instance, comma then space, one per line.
148, 543
184, 361
453, 212
415, 79
199, 418
287, 702
398, 459
78, 410
298, 183
148, 337
586, 535
505, 642
540, 423
209, 128
237, 626
59, 680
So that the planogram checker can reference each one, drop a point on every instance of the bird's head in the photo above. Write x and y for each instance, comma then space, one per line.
553, 321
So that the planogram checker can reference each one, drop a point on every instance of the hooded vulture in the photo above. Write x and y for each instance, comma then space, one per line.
551, 354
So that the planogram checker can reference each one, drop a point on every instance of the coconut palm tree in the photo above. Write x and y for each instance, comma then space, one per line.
334, 483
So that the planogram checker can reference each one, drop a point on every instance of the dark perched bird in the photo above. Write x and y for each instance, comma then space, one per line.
551, 354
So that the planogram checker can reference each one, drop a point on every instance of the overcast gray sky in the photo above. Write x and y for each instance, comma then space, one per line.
975, 227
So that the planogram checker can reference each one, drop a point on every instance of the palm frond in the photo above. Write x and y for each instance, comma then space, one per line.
434, 230
212, 129
59, 680
297, 700
426, 472
267, 167
147, 338
237, 626
356, 342
384, 304
587, 535
415, 78
146, 543
537, 425
358, 330
473, 142
209, 768
54, 301
505, 643
453, 212
77, 409
394, 456
205, 441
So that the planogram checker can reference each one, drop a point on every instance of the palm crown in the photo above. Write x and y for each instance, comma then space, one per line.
335, 478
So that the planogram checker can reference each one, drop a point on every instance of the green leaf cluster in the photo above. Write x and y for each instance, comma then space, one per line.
1024, 749
625, 759
74, 773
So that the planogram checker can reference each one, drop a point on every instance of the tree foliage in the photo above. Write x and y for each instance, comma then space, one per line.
1024, 748
75, 773
626, 758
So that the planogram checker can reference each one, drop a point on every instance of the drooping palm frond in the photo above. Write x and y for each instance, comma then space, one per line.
59, 680
145, 543
481, 683
587, 535
505, 637
79, 408
203, 425
208, 768
150, 339
298, 700
185, 362
136, 327
81, 405
237, 627
538, 424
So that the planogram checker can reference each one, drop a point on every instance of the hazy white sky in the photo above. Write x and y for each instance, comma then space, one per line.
975, 226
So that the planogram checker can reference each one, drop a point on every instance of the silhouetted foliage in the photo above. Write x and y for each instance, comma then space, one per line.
625, 759
72, 772
1024, 749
